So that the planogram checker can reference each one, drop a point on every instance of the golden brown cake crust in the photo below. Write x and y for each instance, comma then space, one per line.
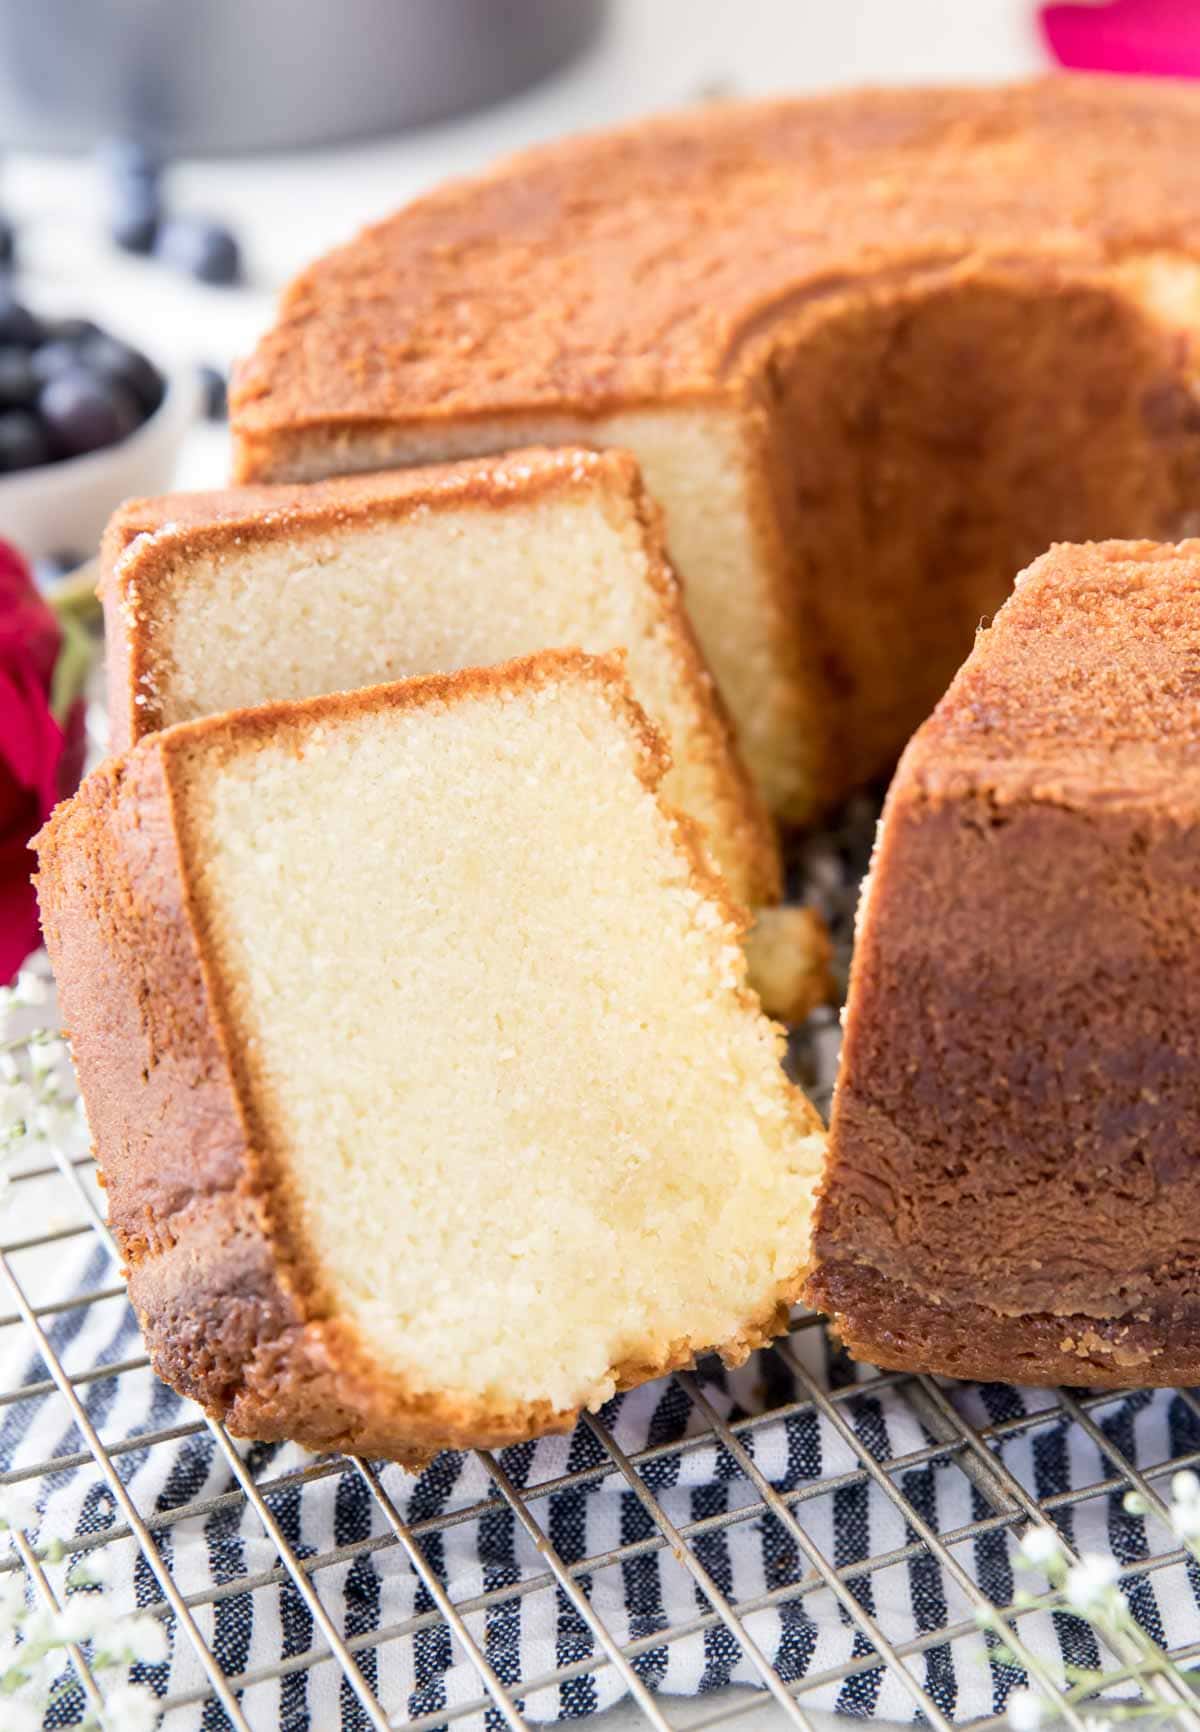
1013, 1185
227, 1296
652, 265
218, 522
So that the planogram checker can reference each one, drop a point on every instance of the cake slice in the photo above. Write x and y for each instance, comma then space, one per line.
1014, 1182
413, 1036
215, 601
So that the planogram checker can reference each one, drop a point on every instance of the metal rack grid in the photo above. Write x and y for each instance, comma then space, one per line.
1002, 1504
954, 1443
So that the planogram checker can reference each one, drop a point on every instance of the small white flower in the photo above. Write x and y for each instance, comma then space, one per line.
40, 1629
83, 1617
1185, 1519
13, 1605
16, 1105
100, 1567
1185, 1487
30, 988
18, 1505
21, 1716
54, 1120
45, 1056
1041, 1546
1025, 1711
1090, 1584
144, 1638
130, 1708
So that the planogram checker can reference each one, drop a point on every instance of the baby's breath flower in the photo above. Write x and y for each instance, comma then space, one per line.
1185, 1486
1091, 1585
1040, 1546
30, 989
16, 1104
84, 1617
1185, 1520
1025, 1711
46, 1054
130, 1708
21, 1716
12, 1598
145, 1639
95, 1569
18, 1506
40, 1629
53, 1119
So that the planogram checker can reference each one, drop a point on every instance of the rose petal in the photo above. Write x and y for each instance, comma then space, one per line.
27, 621
1158, 37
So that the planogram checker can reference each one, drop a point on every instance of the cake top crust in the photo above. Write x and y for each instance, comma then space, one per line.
251, 515
640, 266
1084, 689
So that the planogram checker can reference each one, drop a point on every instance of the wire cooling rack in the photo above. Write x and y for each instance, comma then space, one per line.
944, 1439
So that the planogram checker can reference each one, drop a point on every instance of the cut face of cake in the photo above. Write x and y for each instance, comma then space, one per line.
874, 352
412, 1032
217, 601
224, 600
1014, 1181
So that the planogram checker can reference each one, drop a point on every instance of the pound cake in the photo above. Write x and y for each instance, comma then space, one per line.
412, 1031
874, 352
217, 601
1014, 1181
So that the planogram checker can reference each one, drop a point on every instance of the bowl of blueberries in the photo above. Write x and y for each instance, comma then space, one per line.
86, 420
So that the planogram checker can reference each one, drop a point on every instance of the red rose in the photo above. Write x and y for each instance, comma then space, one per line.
1145, 36
41, 748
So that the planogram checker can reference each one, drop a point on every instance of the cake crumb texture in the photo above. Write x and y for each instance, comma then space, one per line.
414, 1037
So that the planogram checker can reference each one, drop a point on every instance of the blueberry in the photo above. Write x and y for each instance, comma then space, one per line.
201, 249
130, 159
50, 359
85, 413
70, 330
135, 214
19, 384
213, 393
17, 323
124, 366
8, 244
51, 568
23, 442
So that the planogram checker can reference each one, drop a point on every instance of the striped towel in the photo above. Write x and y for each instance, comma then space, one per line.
528, 1629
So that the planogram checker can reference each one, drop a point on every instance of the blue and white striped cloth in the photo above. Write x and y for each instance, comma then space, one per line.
525, 1636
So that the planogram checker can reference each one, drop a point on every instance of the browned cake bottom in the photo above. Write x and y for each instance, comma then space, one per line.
893, 1326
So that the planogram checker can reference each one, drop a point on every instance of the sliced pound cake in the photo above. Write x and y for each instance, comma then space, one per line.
220, 600
1014, 1185
412, 1032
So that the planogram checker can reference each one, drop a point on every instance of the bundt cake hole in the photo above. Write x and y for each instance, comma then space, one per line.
930, 444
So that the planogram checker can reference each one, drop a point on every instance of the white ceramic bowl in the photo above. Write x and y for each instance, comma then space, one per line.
63, 507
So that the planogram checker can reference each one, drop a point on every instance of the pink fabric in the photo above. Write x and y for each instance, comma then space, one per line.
1160, 37
39, 762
